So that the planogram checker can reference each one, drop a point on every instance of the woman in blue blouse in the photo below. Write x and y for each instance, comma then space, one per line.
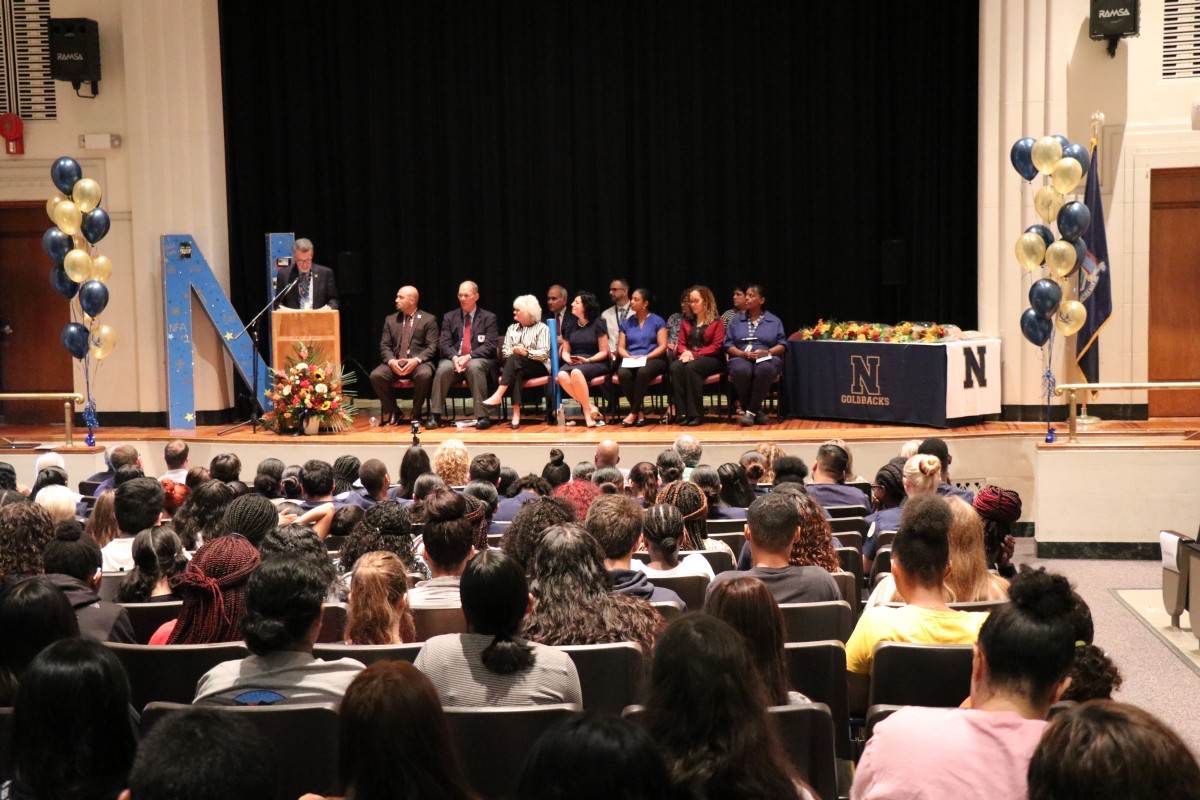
526, 353
584, 353
643, 335
754, 342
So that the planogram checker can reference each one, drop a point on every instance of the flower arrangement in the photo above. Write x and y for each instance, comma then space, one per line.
873, 332
308, 388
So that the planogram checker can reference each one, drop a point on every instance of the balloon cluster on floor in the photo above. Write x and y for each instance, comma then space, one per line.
80, 274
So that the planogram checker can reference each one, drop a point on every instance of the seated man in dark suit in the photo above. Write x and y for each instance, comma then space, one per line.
408, 347
467, 349
316, 288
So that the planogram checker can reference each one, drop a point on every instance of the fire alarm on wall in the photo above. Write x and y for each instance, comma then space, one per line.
12, 131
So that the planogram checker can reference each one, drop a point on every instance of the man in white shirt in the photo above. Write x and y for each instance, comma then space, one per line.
176, 456
614, 315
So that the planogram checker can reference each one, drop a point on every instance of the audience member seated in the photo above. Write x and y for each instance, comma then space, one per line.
344, 520
641, 335
922, 476
707, 711
968, 580
508, 477
748, 606
937, 447
888, 493
300, 540
492, 665
920, 563
282, 621
662, 532
269, 477
573, 601
690, 452
385, 526
250, 515
225, 467
1111, 751
609, 480
643, 483
116, 457
615, 522
489, 501
815, 545
201, 754
25, 528
999, 508
452, 463
1093, 674
393, 741
693, 506
909, 449
789, 469
580, 493
709, 482
289, 483
213, 588
58, 500
137, 506
1019, 671
736, 491
157, 558
594, 756
446, 547
375, 481
556, 470
525, 533
772, 528
670, 466
585, 354
377, 610
101, 523
413, 465
34, 613
827, 487
427, 484
199, 518
345, 473
72, 730
757, 463
173, 496
316, 482
72, 562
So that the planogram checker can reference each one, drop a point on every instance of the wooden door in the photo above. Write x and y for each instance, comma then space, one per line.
32, 358
1174, 289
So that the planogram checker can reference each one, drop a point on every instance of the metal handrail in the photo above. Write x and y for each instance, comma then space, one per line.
69, 400
1071, 388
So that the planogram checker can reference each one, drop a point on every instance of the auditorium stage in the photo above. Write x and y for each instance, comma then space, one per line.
1106, 496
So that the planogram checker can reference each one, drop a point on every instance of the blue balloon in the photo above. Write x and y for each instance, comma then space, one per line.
1022, 158
1044, 296
95, 225
75, 339
1080, 154
1062, 140
62, 283
65, 173
93, 297
1036, 329
1042, 231
1080, 253
56, 244
1073, 220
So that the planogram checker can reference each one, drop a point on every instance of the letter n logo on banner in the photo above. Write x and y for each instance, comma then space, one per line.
864, 377
185, 271
975, 368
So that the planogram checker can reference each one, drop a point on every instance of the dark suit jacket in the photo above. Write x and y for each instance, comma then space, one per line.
324, 287
485, 334
423, 344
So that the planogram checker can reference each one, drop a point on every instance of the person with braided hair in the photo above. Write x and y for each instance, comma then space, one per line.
693, 506
493, 664
999, 509
662, 531
252, 516
377, 610
213, 587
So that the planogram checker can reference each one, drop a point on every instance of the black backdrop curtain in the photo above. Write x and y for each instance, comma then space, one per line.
671, 142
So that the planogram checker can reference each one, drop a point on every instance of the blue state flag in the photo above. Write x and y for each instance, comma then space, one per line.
1095, 280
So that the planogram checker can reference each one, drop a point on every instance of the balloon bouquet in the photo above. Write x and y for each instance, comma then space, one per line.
1051, 304
79, 274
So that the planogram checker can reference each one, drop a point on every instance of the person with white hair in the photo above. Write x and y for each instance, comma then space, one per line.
691, 451
315, 285
526, 351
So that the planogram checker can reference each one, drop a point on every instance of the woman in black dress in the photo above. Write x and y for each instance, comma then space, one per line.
584, 353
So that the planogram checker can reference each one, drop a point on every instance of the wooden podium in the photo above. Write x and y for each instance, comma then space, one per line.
320, 328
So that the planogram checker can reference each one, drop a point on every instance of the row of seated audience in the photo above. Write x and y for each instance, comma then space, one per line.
562, 576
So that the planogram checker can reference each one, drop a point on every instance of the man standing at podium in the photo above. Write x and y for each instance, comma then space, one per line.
409, 343
316, 287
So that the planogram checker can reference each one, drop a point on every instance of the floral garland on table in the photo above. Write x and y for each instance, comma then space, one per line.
873, 332
309, 387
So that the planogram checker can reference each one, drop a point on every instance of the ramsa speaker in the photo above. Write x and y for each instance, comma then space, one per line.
74, 50
1113, 19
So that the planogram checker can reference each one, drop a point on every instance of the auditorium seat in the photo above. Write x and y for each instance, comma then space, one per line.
669, 609
979, 605
849, 539
170, 672
846, 512
851, 561
818, 671
912, 674
1175, 571
432, 622
690, 588
333, 623
302, 737
850, 588
734, 539
727, 526
882, 565
719, 560
368, 654
816, 622
493, 742
611, 675
842, 525
110, 582
146, 618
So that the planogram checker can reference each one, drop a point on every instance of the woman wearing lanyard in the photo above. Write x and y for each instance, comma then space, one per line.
697, 355
755, 343
584, 353
643, 337
526, 353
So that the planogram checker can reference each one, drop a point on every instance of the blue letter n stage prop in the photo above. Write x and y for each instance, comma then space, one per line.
185, 271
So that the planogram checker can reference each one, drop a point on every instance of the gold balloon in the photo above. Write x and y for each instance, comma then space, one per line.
1066, 175
68, 217
1047, 202
77, 264
1046, 153
51, 204
102, 340
1070, 317
1060, 258
1031, 250
101, 269
81, 243
1066, 284
86, 194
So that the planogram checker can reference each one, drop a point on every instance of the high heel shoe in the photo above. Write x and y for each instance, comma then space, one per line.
515, 424
629, 423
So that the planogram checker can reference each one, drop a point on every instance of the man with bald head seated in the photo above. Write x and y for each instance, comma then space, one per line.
407, 348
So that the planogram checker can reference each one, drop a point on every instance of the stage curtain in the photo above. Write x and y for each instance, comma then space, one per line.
670, 142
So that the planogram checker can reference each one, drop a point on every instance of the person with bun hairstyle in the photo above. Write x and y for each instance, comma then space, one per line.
643, 483
157, 558
1112, 751
1020, 669
72, 563
920, 476
693, 505
492, 664
556, 470
887, 495
736, 489
662, 531
281, 625
920, 563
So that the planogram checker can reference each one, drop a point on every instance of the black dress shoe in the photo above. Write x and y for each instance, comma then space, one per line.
397, 418
694, 422
433, 423
482, 424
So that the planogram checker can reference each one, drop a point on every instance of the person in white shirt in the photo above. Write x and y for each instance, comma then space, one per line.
662, 531
176, 456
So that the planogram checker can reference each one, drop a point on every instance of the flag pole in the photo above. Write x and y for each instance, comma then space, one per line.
1084, 417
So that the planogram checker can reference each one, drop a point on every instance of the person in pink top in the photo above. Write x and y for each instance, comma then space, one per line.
1020, 669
